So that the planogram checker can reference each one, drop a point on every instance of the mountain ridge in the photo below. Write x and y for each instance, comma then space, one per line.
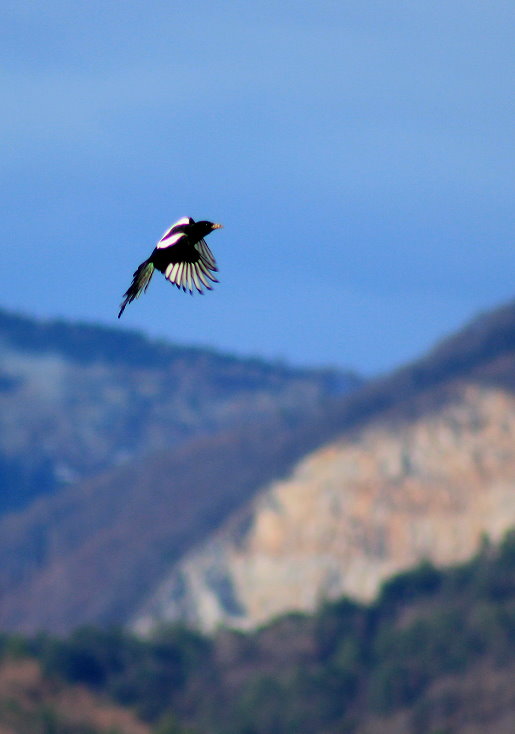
76, 399
424, 470
122, 530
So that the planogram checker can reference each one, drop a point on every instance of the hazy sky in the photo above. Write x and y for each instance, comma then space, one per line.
360, 155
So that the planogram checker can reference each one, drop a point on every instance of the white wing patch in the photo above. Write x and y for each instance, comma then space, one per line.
181, 221
171, 237
170, 240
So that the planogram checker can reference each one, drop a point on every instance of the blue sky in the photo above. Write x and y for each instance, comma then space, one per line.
359, 154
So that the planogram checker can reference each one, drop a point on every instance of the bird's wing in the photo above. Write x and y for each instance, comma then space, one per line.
191, 275
189, 269
205, 254
175, 233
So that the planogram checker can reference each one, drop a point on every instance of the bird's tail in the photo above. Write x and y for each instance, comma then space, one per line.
139, 285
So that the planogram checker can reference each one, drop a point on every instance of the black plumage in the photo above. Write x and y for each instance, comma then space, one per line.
183, 257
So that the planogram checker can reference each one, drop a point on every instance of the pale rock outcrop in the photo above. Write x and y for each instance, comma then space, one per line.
353, 513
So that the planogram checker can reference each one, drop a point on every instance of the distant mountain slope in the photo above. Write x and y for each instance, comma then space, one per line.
110, 547
425, 468
92, 552
76, 399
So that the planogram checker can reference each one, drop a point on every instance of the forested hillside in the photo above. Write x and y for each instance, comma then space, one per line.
101, 550
435, 653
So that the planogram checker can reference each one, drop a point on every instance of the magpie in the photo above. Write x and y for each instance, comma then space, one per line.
182, 255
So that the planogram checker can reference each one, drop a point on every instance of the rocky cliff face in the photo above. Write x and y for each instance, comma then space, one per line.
309, 496
110, 449
425, 482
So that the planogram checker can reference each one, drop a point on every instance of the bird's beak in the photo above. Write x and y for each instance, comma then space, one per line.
217, 226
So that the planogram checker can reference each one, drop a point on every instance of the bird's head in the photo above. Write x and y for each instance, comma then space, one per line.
208, 227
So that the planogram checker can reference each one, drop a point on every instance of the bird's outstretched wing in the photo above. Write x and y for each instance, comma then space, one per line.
206, 254
194, 272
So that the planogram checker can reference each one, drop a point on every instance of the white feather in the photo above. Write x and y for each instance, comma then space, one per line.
171, 240
181, 221
196, 278
204, 279
204, 268
170, 237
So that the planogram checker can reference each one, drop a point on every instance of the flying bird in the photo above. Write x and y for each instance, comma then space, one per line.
184, 258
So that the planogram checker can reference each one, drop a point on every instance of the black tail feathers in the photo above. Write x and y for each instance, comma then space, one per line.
139, 285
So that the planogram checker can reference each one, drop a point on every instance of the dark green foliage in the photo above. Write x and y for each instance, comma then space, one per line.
89, 656
170, 725
423, 581
14, 646
305, 674
145, 675
41, 720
